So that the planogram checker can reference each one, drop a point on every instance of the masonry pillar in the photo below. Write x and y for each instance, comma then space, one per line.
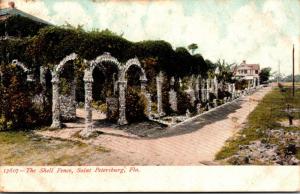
199, 111
149, 105
42, 76
173, 99
88, 89
233, 90
208, 106
159, 81
229, 88
56, 123
215, 103
173, 95
203, 91
147, 96
216, 87
122, 103
43, 84
197, 88
207, 89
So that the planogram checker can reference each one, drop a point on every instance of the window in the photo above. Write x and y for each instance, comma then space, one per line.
256, 71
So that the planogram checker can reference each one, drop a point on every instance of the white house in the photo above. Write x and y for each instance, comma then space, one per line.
249, 72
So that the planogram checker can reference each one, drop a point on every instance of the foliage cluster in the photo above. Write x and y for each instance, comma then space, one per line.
52, 44
265, 74
135, 105
48, 45
16, 106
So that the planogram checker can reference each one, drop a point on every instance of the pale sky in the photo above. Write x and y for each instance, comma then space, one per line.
261, 31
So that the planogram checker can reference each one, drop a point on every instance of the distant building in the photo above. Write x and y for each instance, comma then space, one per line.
7, 27
13, 11
249, 72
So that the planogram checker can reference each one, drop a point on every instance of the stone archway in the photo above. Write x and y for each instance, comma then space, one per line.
24, 68
56, 122
122, 89
88, 82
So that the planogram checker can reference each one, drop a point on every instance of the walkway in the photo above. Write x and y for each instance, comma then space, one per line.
192, 143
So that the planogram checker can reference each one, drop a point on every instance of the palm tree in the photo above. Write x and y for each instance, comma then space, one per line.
225, 73
193, 47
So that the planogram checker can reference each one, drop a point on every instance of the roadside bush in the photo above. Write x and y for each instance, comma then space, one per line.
223, 94
212, 96
241, 85
183, 102
135, 105
165, 96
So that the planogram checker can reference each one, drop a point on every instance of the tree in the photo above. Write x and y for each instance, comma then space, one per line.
183, 62
225, 73
264, 74
193, 47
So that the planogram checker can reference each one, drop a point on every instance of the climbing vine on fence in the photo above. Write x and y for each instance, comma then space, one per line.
51, 44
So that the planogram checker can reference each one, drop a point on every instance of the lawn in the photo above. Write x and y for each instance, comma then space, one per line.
25, 148
267, 115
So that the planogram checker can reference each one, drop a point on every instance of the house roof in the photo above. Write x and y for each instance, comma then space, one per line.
244, 66
249, 66
14, 11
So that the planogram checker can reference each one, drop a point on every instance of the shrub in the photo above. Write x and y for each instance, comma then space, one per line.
154, 107
222, 94
103, 107
165, 96
183, 102
241, 85
98, 105
135, 105
212, 96
17, 108
65, 86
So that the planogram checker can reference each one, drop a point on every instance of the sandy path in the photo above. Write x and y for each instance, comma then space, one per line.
195, 143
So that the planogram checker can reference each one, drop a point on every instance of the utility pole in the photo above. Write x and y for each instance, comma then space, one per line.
293, 76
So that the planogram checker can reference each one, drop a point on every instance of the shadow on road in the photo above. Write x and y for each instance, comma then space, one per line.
205, 119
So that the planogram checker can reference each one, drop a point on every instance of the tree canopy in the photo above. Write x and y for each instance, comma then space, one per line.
51, 44
264, 74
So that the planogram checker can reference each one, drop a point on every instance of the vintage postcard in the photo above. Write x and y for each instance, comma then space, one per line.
144, 95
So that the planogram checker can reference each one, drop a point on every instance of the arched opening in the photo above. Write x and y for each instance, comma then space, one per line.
107, 65
123, 87
104, 93
46, 94
136, 102
59, 78
67, 91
